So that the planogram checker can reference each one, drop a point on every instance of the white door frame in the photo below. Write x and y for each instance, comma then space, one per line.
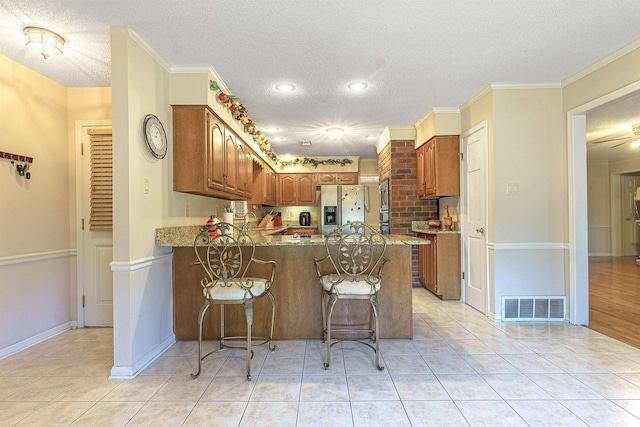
463, 189
577, 192
81, 129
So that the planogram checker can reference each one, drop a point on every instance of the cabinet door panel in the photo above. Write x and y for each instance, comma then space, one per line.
325, 178
231, 170
306, 190
347, 178
248, 168
427, 264
215, 157
430, 169
287, 190
420, 173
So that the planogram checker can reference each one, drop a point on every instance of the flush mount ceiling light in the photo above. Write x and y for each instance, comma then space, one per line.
285, 87
357, 86
44, 41
335, 133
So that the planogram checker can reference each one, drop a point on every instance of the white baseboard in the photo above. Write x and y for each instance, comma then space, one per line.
24, 344
129, 372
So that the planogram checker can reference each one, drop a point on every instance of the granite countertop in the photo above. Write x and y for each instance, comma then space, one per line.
422, 227
184, 236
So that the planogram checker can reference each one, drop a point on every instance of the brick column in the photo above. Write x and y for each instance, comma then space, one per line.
398, 161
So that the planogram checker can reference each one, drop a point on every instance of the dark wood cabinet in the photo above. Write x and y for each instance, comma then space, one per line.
439, 264
438, 173
208, 158
296, 189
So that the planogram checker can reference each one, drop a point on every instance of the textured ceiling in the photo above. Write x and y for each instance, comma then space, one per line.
415, 55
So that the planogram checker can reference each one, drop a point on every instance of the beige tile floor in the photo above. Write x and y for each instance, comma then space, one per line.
460, 369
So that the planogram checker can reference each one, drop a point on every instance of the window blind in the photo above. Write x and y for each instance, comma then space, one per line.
101, 197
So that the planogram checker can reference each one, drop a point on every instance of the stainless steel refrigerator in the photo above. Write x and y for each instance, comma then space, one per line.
341, 204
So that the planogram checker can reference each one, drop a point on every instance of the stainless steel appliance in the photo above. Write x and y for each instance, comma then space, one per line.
384, 207
305, 218
341, 204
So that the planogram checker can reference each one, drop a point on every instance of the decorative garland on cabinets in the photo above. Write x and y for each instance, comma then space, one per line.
240, 113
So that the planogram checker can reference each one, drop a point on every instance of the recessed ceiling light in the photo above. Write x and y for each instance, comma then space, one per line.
371, 137
273, 129
305, 143
285, 87
278, 138
357, 86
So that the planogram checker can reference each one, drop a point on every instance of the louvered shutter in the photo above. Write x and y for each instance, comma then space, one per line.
101, 180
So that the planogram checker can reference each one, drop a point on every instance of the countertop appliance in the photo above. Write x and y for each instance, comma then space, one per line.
341, 204
305, 218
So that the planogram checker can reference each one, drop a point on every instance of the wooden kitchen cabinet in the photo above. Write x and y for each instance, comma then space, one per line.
337, 178
438, 173
208, 158
245, 172
296, 189
439, 264
264, 186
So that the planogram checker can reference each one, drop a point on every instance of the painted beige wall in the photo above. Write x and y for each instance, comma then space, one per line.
33, 111
598, 210
528, 151
611, 73
524, 231
35, 250
438, 121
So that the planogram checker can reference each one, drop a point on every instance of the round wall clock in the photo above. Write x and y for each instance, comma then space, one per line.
155, 136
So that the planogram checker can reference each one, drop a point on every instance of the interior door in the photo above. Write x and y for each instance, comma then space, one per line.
474, 149
97, 254
630, 238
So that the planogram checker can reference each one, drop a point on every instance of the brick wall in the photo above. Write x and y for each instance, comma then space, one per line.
398, 161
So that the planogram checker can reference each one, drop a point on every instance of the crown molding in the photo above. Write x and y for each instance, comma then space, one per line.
602, 63
144, 44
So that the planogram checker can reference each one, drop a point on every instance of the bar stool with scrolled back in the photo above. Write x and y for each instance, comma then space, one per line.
226, 253
352, 269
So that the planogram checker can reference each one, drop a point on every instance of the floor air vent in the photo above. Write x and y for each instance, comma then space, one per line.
533, 308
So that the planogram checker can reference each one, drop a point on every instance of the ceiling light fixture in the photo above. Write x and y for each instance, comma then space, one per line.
278, 138
273, 129
371, 137
285, 87
356, 86
335, 133
44, 41
305, 143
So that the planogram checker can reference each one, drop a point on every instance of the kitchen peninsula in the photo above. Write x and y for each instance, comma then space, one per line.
296, 288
